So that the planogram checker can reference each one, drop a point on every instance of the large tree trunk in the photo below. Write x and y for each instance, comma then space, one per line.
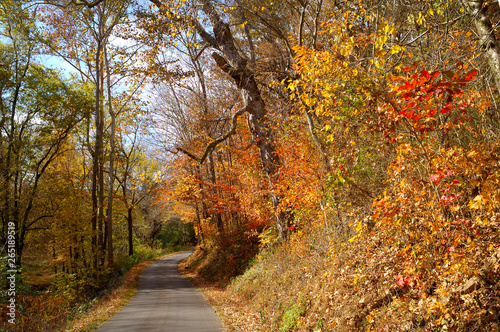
100, 185
235, 65
199, 238
97, 166
229, 59
217, 217
95, 158
489, 43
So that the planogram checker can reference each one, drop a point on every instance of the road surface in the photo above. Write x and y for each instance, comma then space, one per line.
165, 301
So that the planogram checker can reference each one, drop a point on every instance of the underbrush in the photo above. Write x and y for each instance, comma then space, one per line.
228, 257
317, 283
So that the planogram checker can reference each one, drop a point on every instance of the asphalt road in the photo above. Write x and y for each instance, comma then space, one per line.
165, 301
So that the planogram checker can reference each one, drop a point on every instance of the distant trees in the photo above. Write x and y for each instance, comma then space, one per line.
60, 150
107, 66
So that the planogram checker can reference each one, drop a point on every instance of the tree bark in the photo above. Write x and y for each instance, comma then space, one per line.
130, 233
489, 43
109, 223
95, 156
216, 215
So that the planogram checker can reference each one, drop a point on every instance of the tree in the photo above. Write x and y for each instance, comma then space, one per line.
39, 111
488, 40
232, 62
105, 65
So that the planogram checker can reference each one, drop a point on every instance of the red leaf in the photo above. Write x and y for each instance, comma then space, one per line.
458, 222
434, 75
425, 74
445, 109
470, 75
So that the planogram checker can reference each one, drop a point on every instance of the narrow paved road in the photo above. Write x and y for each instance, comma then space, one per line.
165, 301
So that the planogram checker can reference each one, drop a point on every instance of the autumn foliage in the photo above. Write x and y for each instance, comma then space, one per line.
405, 204
337, 161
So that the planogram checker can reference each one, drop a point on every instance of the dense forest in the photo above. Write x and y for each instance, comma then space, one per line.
336, 161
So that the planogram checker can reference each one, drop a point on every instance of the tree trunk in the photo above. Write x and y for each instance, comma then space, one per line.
130, 233
489, 43
100, 191
199, 238
217, 217
95, 158
112, 114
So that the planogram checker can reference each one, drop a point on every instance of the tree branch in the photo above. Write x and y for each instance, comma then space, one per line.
197, 26
89, 4
213, 144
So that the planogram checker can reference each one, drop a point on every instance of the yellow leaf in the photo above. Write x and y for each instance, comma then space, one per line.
420, 20
476, 202
392, 30
471, 154
395, 49
310, 101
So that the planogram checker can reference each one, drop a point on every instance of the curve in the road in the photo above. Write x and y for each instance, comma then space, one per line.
165, 301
